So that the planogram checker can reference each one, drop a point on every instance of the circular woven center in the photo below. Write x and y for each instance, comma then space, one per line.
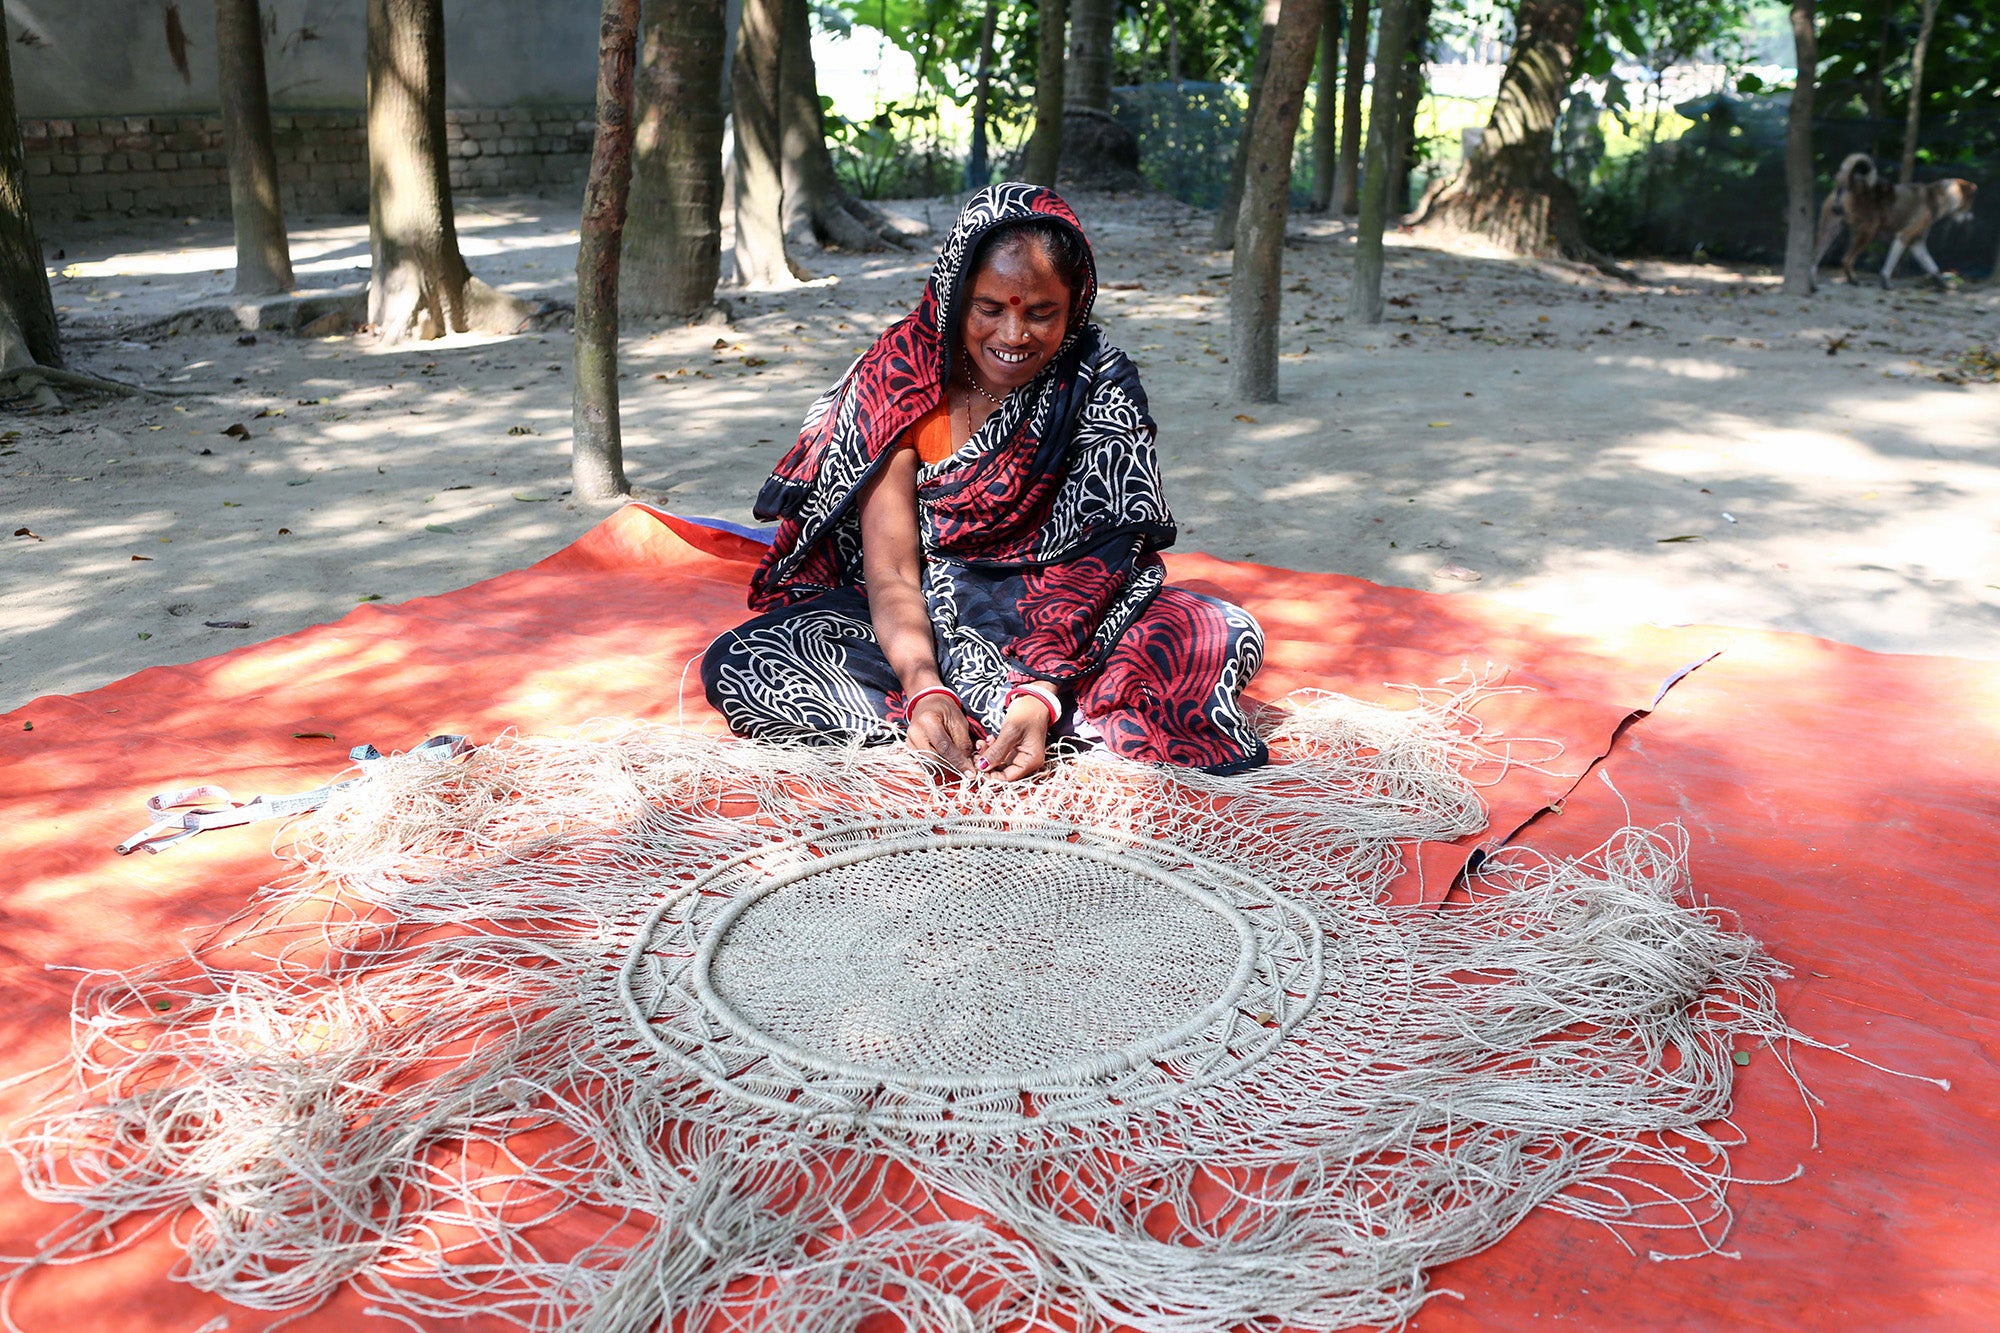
981, 963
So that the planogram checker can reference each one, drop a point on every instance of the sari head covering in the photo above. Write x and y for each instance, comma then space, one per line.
1039, 534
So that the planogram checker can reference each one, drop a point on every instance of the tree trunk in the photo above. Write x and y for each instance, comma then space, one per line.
1045, 147
418, 283
1914, 116
1347, 171
27, 312
1365, 297
1257, 268
1173, 46
1800, 187
1087, 75
977, 172
263, 258
1096, 150
1509, 191
756, 178
818, 210
597, 451
1232, 198
1326, 121
1409, 99
673, 233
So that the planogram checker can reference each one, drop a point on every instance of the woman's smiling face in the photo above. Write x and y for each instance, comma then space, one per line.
1015, 315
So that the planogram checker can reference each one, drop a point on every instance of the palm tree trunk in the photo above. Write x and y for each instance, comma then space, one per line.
1509, 191
817, 209
1045, 147
418, 283
1087, 74
263, 257
27, 311
673, 234
756, 180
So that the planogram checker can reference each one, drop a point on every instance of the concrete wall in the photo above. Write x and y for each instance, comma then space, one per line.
98, 166
111, 126
96, 58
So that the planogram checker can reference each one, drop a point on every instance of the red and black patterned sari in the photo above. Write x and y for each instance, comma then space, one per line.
1039, 536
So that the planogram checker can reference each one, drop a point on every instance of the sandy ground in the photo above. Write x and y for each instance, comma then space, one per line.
1695, 448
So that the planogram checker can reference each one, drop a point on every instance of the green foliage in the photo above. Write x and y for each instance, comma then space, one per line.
1707, 192
942, 37
1659, 34
895, 154
1216, 40
1864, 74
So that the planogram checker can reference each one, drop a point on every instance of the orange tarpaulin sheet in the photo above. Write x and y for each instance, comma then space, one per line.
1844, 803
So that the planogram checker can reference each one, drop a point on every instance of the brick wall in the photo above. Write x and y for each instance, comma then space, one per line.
122, 166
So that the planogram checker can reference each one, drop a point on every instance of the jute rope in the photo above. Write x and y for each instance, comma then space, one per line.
798, 1035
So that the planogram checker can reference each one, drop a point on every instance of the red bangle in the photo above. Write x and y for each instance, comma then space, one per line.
1042, 694
910, 704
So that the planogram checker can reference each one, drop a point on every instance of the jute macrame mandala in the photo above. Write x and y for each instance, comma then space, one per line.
647, 1029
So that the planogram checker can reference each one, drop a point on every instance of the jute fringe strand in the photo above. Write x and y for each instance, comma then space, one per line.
641, 1028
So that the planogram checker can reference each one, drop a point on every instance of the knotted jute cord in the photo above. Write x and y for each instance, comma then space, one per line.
640, 1025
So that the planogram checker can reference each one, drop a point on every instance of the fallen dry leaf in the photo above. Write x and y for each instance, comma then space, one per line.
142, 557
312, 736
237, 431
1241, 417
23, 532
227, 624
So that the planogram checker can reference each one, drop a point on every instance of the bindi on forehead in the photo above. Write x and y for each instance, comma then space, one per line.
1013, 300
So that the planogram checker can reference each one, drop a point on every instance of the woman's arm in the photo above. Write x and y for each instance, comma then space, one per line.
892, 567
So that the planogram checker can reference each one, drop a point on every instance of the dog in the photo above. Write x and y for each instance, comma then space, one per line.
1869, 206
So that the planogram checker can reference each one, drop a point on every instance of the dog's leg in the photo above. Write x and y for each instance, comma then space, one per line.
1857, 241
1922, 251
1896, 249
1829, 230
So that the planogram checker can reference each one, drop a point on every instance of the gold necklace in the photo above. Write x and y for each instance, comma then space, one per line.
973, 380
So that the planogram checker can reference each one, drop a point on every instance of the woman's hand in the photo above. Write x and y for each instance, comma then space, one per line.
1021, 746
937, 726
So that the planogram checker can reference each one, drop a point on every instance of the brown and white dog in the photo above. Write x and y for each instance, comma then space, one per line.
1871, 206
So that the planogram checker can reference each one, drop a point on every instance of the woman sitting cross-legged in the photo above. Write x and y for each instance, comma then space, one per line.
966, 551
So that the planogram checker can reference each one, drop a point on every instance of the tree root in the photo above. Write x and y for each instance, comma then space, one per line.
413, 308
24, 380
843, 222
1564, 241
